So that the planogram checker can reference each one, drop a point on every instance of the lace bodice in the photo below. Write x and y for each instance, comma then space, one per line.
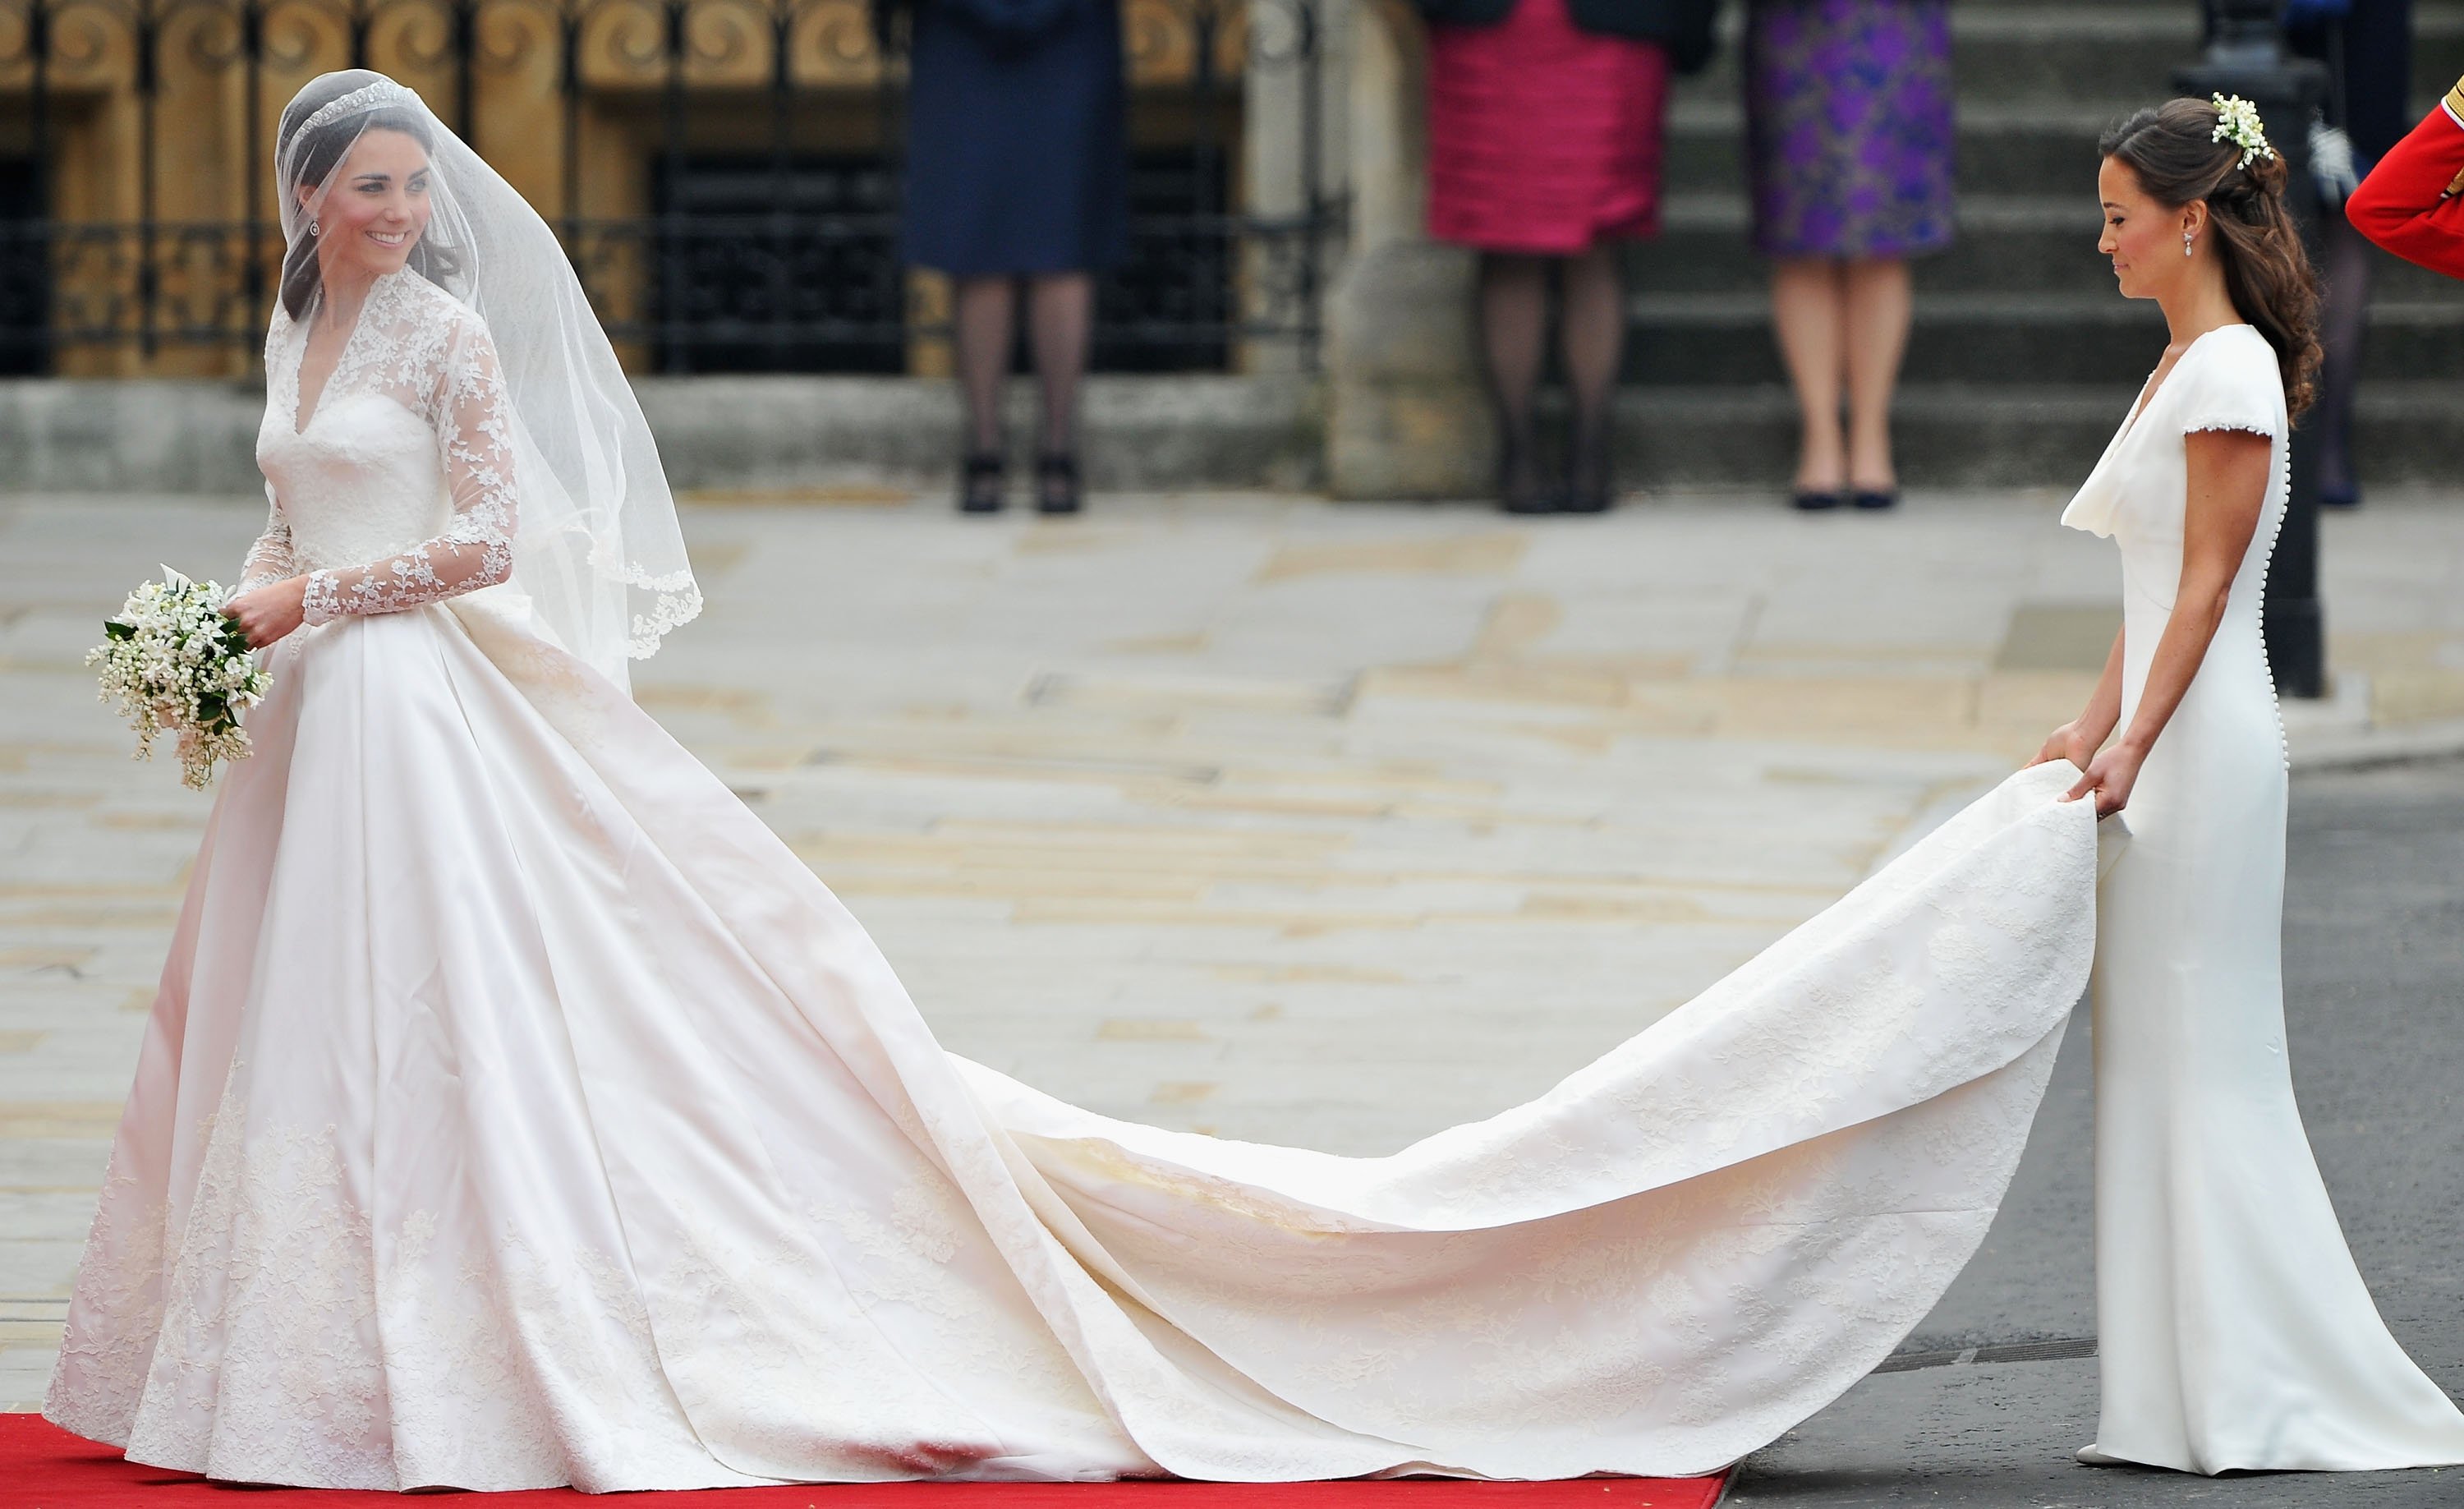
399, 489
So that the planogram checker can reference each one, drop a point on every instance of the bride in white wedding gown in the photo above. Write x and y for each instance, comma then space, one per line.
518, 1111
2233, 1330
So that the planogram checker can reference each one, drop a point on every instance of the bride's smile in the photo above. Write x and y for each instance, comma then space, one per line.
367, 223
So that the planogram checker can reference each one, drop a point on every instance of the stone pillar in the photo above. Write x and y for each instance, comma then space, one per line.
1406, 413
1295, 135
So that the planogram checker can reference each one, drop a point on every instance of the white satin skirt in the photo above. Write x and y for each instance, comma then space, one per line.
518, 1111
2233, 1329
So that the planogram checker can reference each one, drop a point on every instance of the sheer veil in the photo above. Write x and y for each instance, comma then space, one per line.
598, 550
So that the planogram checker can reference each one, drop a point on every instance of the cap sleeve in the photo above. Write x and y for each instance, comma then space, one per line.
2234, 386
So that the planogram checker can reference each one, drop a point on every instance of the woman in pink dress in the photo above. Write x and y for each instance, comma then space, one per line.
1544, 124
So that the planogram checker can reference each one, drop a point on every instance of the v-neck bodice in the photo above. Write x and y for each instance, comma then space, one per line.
364, 478
2138, 497
400, 489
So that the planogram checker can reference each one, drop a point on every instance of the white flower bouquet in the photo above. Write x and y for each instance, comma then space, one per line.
174, 664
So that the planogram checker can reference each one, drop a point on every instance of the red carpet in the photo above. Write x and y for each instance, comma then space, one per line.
44, 1467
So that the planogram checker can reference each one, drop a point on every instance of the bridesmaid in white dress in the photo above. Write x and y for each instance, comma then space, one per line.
2233, 1330
517, 1110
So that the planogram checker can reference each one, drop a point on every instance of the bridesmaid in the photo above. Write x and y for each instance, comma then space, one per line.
1849, 141
1544, 125
1018, 174
2234, 1332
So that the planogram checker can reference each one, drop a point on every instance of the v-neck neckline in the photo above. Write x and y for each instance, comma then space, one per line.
300, 423
2156, 385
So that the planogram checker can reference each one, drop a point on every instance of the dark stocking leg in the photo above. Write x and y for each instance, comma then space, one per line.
985, 321
2339, 332
1514, 321
986, 326
1593, 337
1060, 319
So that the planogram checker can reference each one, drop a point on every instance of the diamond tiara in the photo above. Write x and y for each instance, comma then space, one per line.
384, 92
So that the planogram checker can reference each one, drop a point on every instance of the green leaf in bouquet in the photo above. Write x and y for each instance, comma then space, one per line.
114, 629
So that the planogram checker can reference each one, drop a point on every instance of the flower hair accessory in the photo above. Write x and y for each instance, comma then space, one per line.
2237, 122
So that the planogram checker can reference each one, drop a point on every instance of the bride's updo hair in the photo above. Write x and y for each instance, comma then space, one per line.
309, 160
2174, 153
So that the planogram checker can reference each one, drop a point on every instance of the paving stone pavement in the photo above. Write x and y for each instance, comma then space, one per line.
1251, 814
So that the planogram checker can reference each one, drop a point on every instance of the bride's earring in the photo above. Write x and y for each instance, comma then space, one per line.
2185, 241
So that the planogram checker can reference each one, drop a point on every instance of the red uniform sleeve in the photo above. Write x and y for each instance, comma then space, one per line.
2412, 201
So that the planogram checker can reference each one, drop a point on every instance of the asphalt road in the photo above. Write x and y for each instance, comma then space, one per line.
2374, 986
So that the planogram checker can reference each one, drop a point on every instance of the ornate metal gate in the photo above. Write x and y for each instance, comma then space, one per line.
724, 173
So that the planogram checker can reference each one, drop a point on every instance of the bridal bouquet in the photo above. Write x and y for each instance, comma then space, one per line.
174, 664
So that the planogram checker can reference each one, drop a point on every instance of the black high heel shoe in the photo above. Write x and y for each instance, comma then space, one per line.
1591, 480
1056, 483
1520, 487
983, 482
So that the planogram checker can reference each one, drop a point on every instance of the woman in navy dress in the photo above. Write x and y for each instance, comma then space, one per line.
1017, 174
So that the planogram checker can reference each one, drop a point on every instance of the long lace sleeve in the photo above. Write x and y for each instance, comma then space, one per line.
269, 559
472, 419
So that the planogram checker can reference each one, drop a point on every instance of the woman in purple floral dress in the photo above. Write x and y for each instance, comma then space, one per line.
1849, 134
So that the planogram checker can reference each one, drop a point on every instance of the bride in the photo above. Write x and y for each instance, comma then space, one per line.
517, 1110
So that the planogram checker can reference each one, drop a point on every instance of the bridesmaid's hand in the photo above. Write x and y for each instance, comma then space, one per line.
2110, 776
271, 612
2070, 741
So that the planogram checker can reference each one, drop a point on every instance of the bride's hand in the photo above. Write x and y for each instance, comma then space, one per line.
2110, 776
271, 612
2066, 742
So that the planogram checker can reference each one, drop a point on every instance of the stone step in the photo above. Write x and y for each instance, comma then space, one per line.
858, 441
2014, 140
2002, 149
1998, 338
1953, 435
2009, 243
2118, 54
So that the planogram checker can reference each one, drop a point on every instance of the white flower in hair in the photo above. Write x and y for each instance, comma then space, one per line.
2237, 122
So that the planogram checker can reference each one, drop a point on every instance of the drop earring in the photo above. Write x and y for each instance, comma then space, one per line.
2186, 243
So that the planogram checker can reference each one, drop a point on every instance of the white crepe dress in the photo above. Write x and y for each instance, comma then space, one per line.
518, 1111
2233, 1330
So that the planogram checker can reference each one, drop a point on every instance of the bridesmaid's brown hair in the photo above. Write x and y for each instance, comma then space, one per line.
2174, 150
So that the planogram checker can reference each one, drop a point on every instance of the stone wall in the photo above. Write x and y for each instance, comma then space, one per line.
768, 434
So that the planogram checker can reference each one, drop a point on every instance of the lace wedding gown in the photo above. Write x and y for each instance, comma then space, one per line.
2233, 1329
517, 1110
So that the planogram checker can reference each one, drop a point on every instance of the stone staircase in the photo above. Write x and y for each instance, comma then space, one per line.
2023, 356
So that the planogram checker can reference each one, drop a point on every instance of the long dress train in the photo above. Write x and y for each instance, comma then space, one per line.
517, 1110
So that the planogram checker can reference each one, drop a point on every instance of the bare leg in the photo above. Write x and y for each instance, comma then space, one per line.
2342, 324
1808, 305
1513, 323
1877, 328
1593, 337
